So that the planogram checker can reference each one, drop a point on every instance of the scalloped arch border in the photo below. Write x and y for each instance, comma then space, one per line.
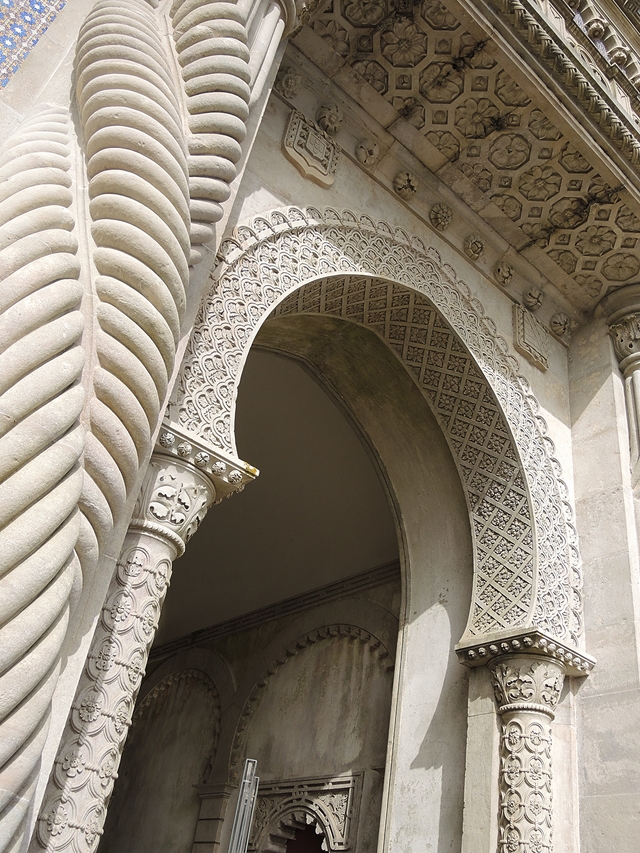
281, 251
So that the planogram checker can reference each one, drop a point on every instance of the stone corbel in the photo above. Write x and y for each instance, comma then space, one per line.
527, 674
184, 478
622, 310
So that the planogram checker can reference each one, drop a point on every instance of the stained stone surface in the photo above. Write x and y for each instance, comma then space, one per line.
171, 745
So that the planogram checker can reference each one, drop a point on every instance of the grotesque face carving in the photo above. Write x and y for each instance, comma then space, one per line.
533, 298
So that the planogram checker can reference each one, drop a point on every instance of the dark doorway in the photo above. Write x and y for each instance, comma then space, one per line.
306, 841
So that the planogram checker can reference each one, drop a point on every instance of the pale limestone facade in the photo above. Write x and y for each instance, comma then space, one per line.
392, 249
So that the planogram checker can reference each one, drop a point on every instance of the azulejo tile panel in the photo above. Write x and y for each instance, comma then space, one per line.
22, 24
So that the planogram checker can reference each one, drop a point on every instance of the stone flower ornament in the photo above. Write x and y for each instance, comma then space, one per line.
404, 44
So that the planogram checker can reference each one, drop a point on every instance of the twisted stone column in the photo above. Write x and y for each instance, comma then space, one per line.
527, 690
184, 478
623, 316
226, 50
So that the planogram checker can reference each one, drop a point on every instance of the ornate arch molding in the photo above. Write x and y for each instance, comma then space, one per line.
527, 569
328, 804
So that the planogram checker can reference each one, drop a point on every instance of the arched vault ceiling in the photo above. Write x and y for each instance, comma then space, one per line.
549, 198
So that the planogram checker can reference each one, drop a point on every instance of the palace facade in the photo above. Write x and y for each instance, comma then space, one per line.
337, 308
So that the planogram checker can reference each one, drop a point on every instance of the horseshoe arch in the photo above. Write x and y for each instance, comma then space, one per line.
526, 561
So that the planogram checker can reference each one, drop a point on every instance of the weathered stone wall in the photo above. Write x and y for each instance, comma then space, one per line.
171, 746
314, 695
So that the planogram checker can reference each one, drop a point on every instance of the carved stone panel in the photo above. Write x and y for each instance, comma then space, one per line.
311, 149
332, 803
530, 337
457, 92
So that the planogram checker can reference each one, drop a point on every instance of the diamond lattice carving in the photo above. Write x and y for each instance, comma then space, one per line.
471, 419
452, 88
440, 332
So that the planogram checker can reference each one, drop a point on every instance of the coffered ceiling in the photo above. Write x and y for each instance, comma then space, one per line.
454, 87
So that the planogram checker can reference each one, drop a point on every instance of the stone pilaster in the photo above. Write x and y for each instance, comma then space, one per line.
527, 672
527, 691
622, 309
183, 479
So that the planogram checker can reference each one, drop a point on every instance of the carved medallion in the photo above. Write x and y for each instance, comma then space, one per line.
312, 150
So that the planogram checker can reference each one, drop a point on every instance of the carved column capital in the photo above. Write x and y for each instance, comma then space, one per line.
527, 683
490, 649
626, 340
185, 477
622, 310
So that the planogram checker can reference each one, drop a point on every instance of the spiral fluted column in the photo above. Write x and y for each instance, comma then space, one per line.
183, 479
41, 439
95, 248
226, 50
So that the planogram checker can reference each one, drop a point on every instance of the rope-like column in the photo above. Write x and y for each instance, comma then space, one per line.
225, 50
138, 199
211, 42
181, 482
139, 208
41, 442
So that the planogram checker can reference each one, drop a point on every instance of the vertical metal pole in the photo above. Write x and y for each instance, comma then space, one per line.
241, 829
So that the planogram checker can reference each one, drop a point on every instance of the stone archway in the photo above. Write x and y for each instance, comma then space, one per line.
526, 562
330, 805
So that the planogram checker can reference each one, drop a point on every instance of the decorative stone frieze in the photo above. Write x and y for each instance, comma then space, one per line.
527, 690
311, 149
530, 337
183, 479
